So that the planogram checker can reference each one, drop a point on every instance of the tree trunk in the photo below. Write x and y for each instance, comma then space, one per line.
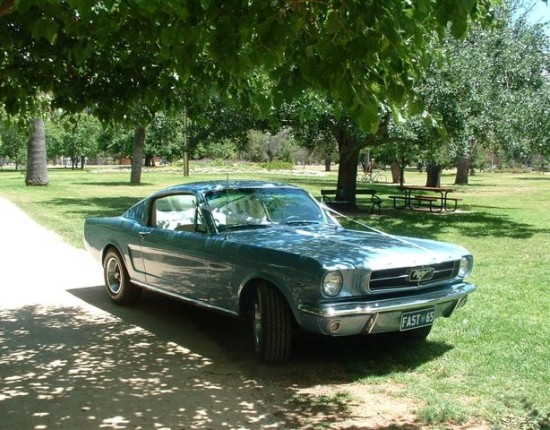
434, 175
462, 170
396, 173
137, 156
347, 172
37, 162
328, 164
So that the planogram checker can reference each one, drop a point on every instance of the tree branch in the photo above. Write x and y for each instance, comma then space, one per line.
5, 7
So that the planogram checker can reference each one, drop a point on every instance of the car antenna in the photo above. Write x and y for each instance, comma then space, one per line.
226, 204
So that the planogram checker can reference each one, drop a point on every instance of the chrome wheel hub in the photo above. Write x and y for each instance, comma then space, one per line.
113, 275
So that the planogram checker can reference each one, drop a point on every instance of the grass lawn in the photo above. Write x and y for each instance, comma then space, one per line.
490, 362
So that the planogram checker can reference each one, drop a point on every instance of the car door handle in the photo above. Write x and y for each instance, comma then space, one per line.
142, 234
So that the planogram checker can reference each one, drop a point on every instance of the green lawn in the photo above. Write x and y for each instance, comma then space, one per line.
490, 362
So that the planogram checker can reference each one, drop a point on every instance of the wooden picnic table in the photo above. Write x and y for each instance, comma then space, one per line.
341, 198
414, 196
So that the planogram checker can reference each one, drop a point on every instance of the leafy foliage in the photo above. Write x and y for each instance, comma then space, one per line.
362, 54
75, 137
489, 95
13, 144
363, 57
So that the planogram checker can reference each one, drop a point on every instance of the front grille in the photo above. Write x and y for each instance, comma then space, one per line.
400, 278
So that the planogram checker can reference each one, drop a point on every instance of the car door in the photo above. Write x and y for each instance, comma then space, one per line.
174, 247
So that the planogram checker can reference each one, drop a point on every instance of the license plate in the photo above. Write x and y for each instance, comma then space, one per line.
415, 319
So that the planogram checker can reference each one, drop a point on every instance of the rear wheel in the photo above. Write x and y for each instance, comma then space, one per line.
272, 325
381, 178
117, 281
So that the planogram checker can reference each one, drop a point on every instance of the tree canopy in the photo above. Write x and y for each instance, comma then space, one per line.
490, 95
124, 61
114, 56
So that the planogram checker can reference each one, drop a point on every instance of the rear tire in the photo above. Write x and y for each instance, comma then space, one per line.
117, 281
381, 178
272, 325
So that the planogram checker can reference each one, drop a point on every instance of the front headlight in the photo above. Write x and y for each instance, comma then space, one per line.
465, 267
332, 283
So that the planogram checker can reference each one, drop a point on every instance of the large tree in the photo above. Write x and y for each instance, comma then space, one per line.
115, 56
490, 94
498, 80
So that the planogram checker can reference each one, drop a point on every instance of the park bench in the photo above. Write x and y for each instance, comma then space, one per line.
416, 201
455, 203
341, 199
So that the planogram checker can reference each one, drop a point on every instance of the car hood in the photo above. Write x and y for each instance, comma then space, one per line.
339, 247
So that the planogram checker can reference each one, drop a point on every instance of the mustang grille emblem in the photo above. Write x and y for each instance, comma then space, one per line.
419, 275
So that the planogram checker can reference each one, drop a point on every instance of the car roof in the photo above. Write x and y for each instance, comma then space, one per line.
205, 186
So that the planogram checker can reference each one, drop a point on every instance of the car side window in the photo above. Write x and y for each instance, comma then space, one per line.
177, 212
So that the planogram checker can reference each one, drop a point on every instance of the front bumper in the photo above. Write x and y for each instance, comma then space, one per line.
379, 316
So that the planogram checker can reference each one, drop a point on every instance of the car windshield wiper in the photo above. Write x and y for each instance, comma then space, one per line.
301, 221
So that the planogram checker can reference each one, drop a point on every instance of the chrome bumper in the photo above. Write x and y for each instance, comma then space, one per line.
378, 316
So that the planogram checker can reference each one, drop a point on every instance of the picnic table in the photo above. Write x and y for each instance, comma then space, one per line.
341, 199
417, 197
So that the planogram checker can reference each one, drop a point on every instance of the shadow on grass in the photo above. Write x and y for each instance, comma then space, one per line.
11, 171
477, 223
115, 184
365, 356
535, 178
94, 206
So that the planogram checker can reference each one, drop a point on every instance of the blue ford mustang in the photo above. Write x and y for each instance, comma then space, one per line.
272, 253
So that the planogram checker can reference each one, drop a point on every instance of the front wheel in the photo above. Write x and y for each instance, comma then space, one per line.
272, 325
117, 281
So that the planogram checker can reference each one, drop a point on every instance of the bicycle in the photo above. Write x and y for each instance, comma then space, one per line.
375, 176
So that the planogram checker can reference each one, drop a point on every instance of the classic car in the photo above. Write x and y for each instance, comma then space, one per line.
272, 253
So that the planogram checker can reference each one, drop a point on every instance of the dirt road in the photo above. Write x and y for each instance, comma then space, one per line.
70, 359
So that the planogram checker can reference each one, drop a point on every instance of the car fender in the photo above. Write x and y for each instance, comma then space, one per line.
253, 278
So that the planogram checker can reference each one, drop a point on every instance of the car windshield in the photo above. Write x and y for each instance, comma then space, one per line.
262, 207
